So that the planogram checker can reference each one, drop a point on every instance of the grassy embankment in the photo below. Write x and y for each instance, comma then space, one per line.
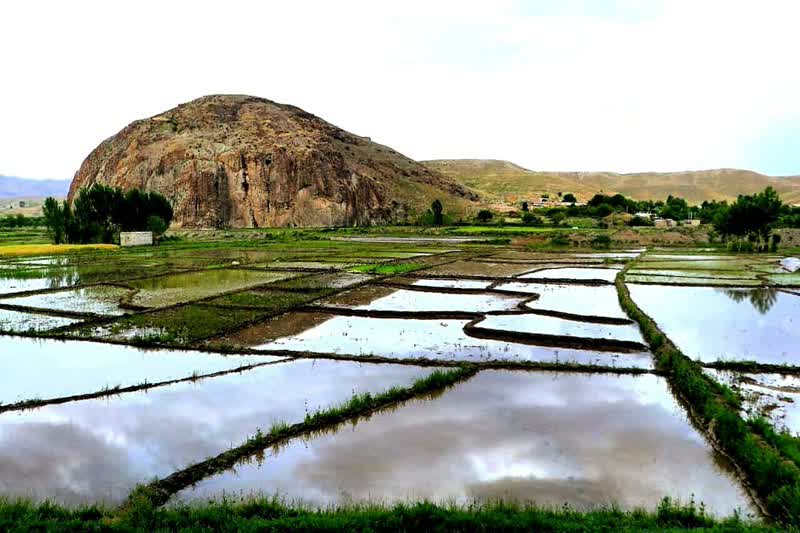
274, 515
764, 457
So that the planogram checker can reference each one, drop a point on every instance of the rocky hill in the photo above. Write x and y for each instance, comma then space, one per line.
241, 161
500, 180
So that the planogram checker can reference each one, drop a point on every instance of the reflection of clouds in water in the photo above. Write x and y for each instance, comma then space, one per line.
442, 339
577, 439
62, 462
405, 300
98, 449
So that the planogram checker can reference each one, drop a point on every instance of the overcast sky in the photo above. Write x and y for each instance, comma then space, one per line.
623, 85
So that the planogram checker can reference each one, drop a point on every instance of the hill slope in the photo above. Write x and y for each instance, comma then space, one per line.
501, 180
242, 161
13, 187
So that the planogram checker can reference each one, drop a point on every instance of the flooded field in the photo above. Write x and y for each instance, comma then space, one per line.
400, 338
579, 300
298, 368
98, 300
20, 321
178, 288
710, 323
775, 397
117, 442
600, 274
379, 298
43, 369
504, 435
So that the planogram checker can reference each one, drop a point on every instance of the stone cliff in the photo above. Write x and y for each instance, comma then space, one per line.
241, 161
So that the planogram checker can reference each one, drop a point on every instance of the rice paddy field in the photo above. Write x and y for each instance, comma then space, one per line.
303, 377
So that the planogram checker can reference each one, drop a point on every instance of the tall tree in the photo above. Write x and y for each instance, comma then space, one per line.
54, 220
437, 208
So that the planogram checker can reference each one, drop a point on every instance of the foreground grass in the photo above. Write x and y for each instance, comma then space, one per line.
766, 460
18, 250
273, 515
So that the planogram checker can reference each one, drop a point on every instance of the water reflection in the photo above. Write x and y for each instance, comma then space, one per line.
775, 397
583, 300
762, 299
38, 368
552, 439
579, 273
414, 338
97, 450
712, 324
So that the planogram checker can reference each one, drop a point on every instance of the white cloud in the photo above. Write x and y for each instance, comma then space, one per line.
685, 85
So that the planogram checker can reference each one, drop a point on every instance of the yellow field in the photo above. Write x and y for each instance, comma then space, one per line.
17, 250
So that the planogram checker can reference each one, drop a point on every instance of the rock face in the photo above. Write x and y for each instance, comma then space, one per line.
241, 161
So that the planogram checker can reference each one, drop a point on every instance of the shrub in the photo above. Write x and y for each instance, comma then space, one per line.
484, 215
436, 209
640, 221
530, 219
601, 241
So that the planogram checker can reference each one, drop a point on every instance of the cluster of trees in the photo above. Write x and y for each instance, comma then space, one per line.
20, 221
100, 212
748, 222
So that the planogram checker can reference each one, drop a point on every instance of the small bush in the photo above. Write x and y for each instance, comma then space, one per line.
601, 241
484, 215
529, 219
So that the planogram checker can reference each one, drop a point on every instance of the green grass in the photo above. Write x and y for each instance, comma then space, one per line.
272, 514
272, 301
391, 269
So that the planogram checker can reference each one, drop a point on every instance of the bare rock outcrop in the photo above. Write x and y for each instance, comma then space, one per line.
242, 162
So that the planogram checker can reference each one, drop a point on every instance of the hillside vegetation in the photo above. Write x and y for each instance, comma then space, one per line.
498, 180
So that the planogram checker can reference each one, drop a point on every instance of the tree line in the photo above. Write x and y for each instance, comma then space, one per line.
100, 212
20, 221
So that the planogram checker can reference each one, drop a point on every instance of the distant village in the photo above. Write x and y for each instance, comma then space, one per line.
546, 202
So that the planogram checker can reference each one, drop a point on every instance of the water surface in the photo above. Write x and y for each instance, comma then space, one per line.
100, 299
554, 326
776, 397
18, 321
586, 300
550, 438
44, 368
382, 298
712, 324
452, 283
98, 450
411, 338
580, 273
177, 288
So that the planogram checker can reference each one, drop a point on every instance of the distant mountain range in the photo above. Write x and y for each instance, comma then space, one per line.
497, 180
14, 187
